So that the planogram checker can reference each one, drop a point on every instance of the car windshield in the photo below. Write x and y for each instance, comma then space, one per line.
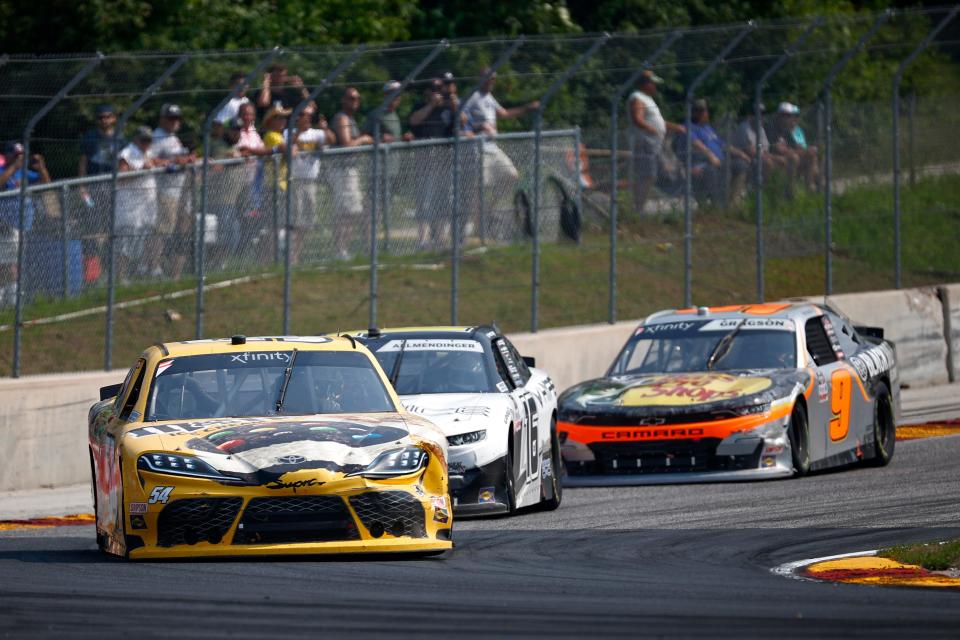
250, 384
718, 345
434, 365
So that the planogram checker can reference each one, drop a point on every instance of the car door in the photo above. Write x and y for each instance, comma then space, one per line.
526, 416
830, 425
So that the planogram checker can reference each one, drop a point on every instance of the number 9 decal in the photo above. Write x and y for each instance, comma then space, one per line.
841, 384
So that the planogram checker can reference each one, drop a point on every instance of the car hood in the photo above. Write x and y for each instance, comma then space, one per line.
262, 449
669, 394
456, 413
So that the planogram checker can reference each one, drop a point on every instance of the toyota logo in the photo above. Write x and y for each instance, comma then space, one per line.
291, 459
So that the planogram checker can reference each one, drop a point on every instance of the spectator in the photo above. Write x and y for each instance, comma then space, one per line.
711, 155
482, 111
174, 221
224, 183
238, 89
11, 177
745, 139
275, 168
391, 130
136, 202
97, 153
305, 174
790, 140
249, 211
433, 117
648, 130
280, 87
345, 175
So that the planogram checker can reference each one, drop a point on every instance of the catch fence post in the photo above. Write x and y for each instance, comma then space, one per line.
65, 246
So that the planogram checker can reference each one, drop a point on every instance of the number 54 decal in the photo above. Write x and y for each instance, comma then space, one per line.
841, 385
160, 494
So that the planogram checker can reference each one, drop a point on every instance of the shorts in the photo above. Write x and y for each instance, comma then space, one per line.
645, 164
170, 217
303, 214
497, 166
345, 187
9, 239
130, 240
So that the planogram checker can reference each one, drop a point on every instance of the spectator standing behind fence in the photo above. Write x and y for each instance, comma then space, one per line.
304, 175
97, 152
647, 130
249, 210
344, 176
713, 157
224, 180
279, 87
790, 140
745, 139
482, 111
11, 176
173, 233
231, 109
136, 203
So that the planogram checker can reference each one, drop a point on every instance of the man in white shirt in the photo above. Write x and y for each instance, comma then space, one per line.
305, 175
232, 109
482, 111
647, 131
174, 222
136, 202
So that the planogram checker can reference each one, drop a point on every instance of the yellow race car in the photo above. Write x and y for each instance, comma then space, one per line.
262, 446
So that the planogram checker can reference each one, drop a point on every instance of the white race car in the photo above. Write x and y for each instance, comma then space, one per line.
499, 413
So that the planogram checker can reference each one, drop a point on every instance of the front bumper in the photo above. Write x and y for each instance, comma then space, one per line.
479, 490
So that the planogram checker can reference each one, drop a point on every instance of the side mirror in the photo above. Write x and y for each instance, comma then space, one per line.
530, 361
110, 391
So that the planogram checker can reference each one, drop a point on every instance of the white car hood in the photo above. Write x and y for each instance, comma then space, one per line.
457, 413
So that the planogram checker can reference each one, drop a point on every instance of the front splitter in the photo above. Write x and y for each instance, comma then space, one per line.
628, 480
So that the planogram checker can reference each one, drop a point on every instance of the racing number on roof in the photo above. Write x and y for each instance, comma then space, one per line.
841, 384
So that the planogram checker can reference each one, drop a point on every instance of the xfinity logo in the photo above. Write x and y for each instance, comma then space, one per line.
276, 356
667, 326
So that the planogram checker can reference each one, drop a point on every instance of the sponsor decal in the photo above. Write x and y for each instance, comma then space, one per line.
456, 468
769, 462
138, 507
160, 495
163, 366
474, 411
832, 336
728, 324
261, 356
873, 361
432, 345
418, 490
438, 502
138, 522
653, 329
688, 389
652, 434
546, 468
502, 387
822, 389
487, 495
291, 459
296, 484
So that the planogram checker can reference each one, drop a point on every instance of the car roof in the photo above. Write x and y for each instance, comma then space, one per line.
440, 330
798, 310
253, 343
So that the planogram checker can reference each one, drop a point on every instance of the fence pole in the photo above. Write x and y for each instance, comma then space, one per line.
911, 112
827, 90
897, 78
537, 137
22, 204
455, 169
376, 115
274, 206
688, 188
114, 170
207, 124
292, 133
758, 165
672, 37
65, 247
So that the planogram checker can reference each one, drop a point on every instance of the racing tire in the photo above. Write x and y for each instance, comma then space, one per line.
510, 488
523, 211
798, 433
571, 224
556, 464
884, 428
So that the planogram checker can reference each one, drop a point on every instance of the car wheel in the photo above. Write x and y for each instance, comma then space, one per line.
509, 483
884, 428
798, 433
556, 464
523, 212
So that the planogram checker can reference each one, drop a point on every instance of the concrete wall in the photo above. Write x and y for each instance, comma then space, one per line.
953, 297
43, 418
43, 430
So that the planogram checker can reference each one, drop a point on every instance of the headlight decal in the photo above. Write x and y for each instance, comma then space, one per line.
180, 465
397, 462
467, 438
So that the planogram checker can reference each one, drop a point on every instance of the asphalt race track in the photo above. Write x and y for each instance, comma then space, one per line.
656, 561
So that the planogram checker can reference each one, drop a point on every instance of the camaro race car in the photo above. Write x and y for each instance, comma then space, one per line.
497, 411
264, 446
734, 393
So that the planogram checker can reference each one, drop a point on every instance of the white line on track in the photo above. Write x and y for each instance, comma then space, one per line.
789, 569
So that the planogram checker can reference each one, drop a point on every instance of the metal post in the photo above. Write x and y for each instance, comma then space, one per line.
385, 198
828, 145
911, 112
65, 247
22, 204
897, 78
537, 136
115, 169
672, 37
292, 133
274, 205
758, 164
688, 189
207, 124
375, 115
455, 229
480, 194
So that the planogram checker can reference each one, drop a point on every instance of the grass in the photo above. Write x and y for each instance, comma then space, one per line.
933, 556
495, 283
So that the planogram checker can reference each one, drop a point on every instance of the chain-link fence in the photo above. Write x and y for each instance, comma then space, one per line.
163, 200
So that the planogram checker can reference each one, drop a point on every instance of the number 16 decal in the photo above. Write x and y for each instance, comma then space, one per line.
841, 384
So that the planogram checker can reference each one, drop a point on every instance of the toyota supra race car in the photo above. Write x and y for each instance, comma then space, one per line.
734, 393
264, 446
496, 409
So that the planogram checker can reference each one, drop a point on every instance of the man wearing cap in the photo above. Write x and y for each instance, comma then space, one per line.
345, 176
96, 158
174, 223
136, 202
647, 130
745, 139
12, 175
390, 128
790, 142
